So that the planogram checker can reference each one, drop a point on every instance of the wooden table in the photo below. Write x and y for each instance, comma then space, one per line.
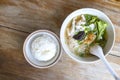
18, 18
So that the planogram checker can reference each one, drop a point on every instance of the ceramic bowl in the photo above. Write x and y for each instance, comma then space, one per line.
110, 33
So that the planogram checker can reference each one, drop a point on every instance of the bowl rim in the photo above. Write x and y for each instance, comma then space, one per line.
59, 44
63, 45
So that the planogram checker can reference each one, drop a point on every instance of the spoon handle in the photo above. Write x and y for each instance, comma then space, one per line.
112, 71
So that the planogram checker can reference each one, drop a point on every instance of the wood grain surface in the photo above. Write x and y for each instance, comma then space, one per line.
18, 18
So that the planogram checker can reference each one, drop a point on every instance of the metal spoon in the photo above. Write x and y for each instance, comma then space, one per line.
97, 51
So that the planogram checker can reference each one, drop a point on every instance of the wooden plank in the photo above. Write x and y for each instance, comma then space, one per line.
21, 17
13, 65
113, 2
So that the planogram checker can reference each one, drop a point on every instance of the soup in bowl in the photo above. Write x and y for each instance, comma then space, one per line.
84, 28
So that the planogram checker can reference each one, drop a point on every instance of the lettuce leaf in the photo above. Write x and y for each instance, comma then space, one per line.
90, 19
101, 26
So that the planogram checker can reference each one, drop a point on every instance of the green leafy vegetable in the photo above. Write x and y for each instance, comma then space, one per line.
87, 29
90, 19
101, 25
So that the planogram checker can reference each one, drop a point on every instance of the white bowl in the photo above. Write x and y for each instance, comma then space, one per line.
110, 33
29, 56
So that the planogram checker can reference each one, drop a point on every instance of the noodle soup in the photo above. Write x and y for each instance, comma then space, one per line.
84, 31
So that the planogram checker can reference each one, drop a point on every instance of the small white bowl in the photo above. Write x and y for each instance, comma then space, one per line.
110, 33
29, 56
